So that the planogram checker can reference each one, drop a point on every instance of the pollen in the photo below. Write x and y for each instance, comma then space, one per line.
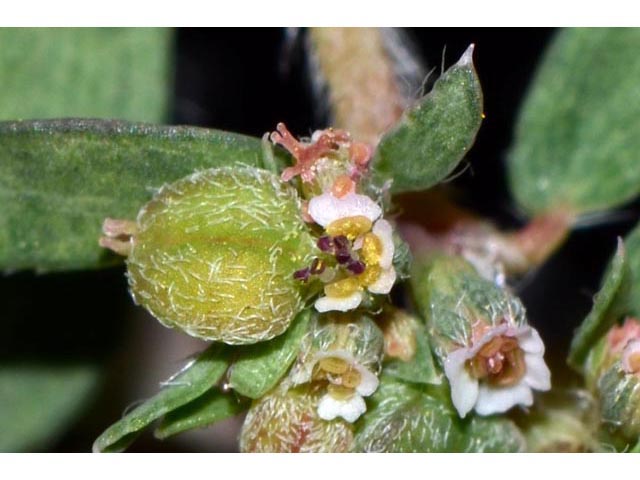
370, 275
342, 288
350, 227
371, 249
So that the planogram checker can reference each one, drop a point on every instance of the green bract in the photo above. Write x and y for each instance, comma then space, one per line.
214, 255
609, 305
432, 137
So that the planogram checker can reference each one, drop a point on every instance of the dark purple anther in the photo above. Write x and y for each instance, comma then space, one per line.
317, 267
356, 267
302, 275
343, 257
342, 243
325, 244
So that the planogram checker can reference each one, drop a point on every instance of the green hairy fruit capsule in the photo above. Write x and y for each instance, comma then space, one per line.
286, 421
214, 254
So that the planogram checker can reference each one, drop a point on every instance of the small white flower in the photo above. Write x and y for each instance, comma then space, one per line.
331, 406
470, 391
326, 208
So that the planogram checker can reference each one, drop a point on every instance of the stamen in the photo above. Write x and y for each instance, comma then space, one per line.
302, 275
317, 266
325, 244
356, 267
341, 243
343, 258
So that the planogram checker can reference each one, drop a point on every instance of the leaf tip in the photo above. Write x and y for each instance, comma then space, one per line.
467, 57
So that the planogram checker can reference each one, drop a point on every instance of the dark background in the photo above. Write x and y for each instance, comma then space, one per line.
244, 80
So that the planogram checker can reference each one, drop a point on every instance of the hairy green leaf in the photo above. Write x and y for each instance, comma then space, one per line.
576, 140
38, 402
432, 137
60, 179
85, 72
259, 367
206, 410
190, 384
404, 418
609, 305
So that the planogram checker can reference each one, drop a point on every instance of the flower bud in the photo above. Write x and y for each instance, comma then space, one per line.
214, 255
286, 420
612, 371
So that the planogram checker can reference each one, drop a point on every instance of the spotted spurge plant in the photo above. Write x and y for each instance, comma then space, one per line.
334, 325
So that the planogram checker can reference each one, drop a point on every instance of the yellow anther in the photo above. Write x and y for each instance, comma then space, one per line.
370, 275
371, 249
340, 392
351, 378
350, 227
333, 365
342, 288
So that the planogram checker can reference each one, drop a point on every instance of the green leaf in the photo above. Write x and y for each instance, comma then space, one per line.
432, 137
85, 72
609, 305
38, 402
632, 248
60, 179
259, 367
206, 410
190, 384
405, 418
576, 140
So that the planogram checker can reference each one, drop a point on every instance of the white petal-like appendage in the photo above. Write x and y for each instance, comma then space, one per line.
529, 340
368, 383
341, 304
326, 208
537, 374
382, 229
464, 388
500, 399
384, 283
330, 408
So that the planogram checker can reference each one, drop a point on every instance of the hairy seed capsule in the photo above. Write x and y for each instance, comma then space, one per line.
215, 253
